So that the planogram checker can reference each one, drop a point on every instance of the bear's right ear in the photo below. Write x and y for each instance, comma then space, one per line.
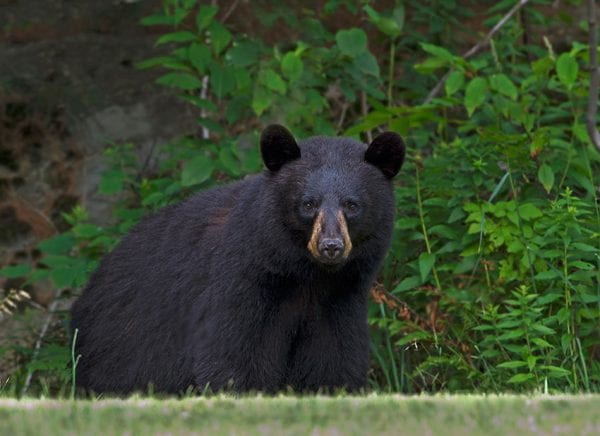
386, 152
278, 147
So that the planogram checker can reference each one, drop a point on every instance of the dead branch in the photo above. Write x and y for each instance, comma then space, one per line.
593, 93
475, 49
380, 295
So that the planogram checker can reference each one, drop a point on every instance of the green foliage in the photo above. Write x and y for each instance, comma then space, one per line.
509, 222
493, 279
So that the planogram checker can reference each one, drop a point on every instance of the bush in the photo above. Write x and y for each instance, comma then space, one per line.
493, 280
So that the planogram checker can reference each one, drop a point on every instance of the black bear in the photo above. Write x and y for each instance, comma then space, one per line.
261, 284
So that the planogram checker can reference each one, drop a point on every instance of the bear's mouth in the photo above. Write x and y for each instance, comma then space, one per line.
328, 262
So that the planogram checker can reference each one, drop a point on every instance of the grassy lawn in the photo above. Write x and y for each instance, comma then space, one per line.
375, 414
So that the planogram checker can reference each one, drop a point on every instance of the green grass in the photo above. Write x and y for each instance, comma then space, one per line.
375, 414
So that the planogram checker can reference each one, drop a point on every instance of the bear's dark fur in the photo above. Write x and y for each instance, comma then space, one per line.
261, 284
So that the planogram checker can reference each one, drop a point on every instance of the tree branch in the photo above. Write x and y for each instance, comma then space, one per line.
481, 44
593, 93
365, 110
229, 11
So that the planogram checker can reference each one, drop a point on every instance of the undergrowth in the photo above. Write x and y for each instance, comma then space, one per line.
493, 279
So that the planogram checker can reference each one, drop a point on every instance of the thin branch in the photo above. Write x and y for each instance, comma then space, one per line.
475, 49
365, 110
40, 339
342, 115
229, 11
593, 97
203, 113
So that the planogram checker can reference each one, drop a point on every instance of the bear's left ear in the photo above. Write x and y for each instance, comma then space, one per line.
386, 152
278, 147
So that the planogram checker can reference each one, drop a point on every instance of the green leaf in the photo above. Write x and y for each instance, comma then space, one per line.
398, 14
455, 81
243, 80
199, 56
414, 337
211, 125
513, 334
13, 271
407, 284
200, 102
220, 37
57, 261
520, 378
567, 69
237, 108
546, 177
547, 275
484, 327
548, 298
390, 26
261, 100
63, 277
502, 84
229, 160
244, 54
438, 52
158, 19
196, 171
205, 16
542, 66
111, 182
584, 247
543, 329
86, 230
155, 61
542, 343
512, 364
183, 81
455, 215
582, 265
367, 63
181, 36
222, 80
444, 231
475, 94
430, 65
528, 211
565, 339
292, 66
352, 41
555, 369
61, 244
272, 81
426, 262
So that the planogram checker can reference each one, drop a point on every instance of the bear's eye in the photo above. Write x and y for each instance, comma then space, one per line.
350, 206
309, 205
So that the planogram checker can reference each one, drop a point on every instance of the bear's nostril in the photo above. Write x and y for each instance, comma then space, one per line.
332, 248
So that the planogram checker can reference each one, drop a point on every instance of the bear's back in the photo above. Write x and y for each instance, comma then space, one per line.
148, 283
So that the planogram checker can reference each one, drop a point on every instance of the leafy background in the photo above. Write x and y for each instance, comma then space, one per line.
493, 280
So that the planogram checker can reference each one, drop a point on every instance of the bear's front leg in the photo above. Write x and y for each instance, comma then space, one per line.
332, 351
239, 349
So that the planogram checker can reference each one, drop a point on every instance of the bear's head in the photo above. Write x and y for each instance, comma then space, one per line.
334, 195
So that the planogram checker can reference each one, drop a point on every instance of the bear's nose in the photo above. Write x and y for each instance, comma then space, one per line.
331, 248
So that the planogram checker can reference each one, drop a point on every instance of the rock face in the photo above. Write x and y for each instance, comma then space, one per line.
69, 88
